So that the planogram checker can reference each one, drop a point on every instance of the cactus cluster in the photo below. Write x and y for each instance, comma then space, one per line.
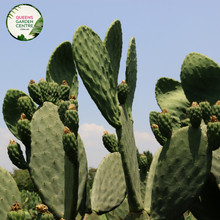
183, 171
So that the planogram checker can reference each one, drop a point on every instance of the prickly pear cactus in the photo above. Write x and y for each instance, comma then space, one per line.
9, 192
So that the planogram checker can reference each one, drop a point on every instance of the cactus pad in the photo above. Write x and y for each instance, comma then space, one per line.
61, 67
109, 187
197, 74
184, 160
131, 74
10, 112
94, 67
9, 192
127, 148
48, 169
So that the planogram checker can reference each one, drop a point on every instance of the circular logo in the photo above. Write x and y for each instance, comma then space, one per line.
24, 22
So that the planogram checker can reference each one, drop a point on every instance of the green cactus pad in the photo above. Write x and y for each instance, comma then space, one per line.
109, 187
123, 90
47, 157
9, 192
170, 95
110, 142
61, 67
35, 92
120, 212
94, 67
73, 202
84, 199
185, 160
16, 155
206, 206
113, 44
10, 112
197, 74
143, 182
206, 111
127, 148
90, 216
141, 215
216, 164
131, 74
150, 179
155, 128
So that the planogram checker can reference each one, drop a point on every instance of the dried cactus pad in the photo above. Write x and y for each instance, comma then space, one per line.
9, 192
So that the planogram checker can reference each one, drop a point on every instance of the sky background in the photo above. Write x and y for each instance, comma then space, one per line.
165, 32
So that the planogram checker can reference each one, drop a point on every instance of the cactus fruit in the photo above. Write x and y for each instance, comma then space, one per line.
25, 106
16, 215
73, 100
216, 110
63, 91
44, 88
110, 142
165, 123
64, 105
143, 161
15, 207
24, 130
35, 92
16, 155
41, 208
160, 138
70, 144
213, 133
72, 119
206, 111
123, 90
195, 114
52, 92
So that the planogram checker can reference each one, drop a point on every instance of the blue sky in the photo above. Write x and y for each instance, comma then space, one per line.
165, 32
